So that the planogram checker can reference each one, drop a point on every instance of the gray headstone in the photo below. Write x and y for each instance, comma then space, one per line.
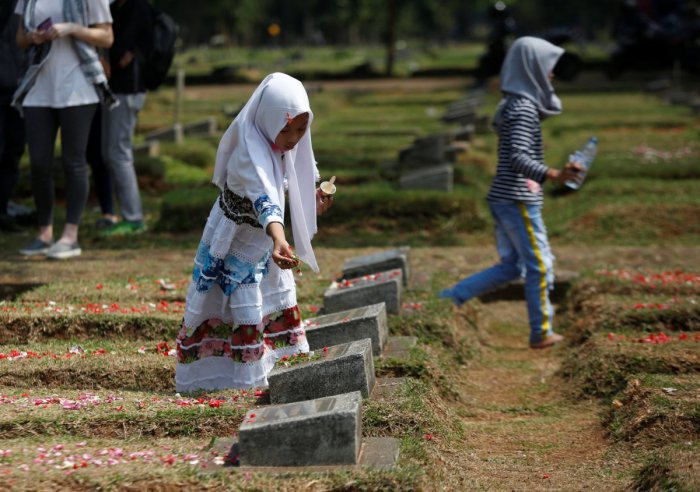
392, 259
341, 369
429, 178
205, 127
363, 291
326, 431
348, 326
172, 134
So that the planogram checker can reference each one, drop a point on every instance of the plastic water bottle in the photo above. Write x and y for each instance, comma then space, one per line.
584, 157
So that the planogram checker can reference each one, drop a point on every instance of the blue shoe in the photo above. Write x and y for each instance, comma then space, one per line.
447, 294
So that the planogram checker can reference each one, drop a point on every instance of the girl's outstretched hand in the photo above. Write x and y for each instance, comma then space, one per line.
282, 254
323, 202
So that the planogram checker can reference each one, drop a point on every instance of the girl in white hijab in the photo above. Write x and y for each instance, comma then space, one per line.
241, 310
516, 197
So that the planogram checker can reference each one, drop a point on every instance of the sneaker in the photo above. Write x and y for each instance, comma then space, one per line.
36, 248
124, 228
547, 342
104, 223
447, 294
63, 251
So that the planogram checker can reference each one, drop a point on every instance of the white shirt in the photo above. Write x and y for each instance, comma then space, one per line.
61, 82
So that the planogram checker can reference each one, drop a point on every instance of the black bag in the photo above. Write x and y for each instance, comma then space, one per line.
161, 51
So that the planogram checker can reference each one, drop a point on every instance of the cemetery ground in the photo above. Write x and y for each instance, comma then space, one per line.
87, 397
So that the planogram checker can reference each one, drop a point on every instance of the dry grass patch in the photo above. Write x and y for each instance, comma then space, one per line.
120, 415
27, 327
671, 468
89, 366
602, 366
656, 410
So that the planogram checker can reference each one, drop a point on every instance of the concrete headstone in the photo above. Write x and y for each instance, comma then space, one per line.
359, 266
325, 431
363, 291
348, 326
340, 369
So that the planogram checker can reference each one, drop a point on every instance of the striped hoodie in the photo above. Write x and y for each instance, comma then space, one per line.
528, 97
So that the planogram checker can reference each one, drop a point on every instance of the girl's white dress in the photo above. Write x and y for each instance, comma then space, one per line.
241, 310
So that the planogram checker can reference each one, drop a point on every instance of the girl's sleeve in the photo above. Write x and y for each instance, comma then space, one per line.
524, 123
259, 183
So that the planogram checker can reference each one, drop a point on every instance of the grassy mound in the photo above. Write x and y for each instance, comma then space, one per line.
23, 328
671, 468
602, 366
656, 410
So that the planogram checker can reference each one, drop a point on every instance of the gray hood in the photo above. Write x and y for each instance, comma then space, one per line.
525, 73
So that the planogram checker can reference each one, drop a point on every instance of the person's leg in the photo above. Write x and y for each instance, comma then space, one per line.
41, 129
117, 133
533, 247
11, 148
507, 270
75, 127
101, 178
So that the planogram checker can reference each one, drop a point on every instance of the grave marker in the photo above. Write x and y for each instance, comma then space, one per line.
429, 178
325, 431
348, 326
379, 262
341, 369
369, 289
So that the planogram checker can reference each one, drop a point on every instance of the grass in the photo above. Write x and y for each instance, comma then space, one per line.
496, 413
656, 409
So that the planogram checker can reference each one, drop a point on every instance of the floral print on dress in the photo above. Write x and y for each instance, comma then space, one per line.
284, 329
240, 343
227, 273
265, 209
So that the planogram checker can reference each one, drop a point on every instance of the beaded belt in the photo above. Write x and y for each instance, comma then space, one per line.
238, 209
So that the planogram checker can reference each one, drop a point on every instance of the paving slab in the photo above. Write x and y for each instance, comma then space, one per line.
386, 388
382, 261
375, 452
363, 291
348, 326
340, 369
324, 431
399, 347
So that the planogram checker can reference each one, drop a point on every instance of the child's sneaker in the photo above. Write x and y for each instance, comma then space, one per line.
36, 248
547, 342
448, 294
63, 251
124, 228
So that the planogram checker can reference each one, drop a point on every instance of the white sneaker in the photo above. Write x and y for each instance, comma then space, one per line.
63, 251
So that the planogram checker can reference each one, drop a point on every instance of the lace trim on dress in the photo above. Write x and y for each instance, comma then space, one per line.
239, 209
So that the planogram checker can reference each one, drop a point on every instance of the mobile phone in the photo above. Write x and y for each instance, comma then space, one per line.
46, 24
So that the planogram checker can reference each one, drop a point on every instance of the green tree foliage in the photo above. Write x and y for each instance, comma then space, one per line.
339, 22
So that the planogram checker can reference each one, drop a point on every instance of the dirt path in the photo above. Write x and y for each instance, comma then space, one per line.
521, 431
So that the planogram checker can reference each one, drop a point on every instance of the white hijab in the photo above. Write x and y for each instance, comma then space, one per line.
525, 72
245, 157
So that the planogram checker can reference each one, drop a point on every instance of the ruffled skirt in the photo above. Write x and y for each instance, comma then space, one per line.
241, 311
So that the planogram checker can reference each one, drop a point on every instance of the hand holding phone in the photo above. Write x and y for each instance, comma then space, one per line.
45, 25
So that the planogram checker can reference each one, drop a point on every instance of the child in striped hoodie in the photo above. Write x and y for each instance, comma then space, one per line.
515, 198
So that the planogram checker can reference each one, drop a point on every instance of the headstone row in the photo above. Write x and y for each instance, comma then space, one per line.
315, 416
